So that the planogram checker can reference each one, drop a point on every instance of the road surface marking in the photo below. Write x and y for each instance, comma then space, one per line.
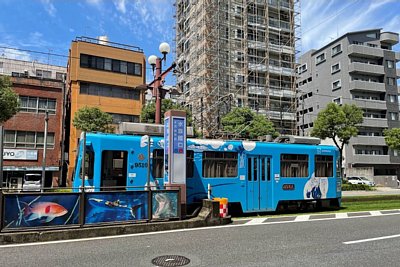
256, 221
375, 213
341, 215
370, 239
180, 230
302, 218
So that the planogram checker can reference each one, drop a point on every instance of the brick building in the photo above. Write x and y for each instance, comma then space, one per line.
24, 133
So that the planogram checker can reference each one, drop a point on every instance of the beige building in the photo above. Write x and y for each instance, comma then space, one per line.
106, 75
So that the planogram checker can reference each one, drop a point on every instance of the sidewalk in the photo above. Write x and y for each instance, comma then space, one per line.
378, 192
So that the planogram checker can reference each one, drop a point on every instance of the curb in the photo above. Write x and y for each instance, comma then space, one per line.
208, 216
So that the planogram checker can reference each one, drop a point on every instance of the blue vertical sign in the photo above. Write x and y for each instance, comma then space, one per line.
166, 149
179, 135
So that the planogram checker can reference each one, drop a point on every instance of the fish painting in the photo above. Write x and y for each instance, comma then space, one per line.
165, 208
113, 205
46, 210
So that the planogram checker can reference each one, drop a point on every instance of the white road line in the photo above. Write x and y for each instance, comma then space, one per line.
302, 218
375, 213
180, 230
370, 239
256, 221
341, 215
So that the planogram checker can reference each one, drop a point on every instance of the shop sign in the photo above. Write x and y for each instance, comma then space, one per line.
20, 154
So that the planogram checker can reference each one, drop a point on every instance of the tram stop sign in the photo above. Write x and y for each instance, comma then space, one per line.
175, 149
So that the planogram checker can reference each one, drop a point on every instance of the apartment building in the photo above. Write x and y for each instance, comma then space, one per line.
40, 87
237, 53
104, 74
357, 68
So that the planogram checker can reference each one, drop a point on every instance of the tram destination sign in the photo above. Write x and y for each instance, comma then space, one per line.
20, 154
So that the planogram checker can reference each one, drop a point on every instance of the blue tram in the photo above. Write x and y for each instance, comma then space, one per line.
257, 176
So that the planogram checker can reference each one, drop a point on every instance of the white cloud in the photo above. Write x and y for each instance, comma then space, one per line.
49, 7
94, 2
120, 5
13, 53
325, 20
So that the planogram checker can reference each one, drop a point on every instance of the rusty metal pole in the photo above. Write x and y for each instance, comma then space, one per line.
157, 90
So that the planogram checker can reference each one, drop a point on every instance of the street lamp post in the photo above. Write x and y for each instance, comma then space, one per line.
159, 76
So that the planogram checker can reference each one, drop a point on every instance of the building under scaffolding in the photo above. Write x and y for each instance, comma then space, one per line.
238, 53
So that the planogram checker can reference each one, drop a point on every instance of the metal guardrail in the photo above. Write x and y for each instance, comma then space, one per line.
49, 210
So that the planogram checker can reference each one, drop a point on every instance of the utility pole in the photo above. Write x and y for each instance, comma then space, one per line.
46, 121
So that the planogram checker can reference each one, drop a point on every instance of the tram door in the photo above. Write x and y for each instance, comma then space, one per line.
258, 177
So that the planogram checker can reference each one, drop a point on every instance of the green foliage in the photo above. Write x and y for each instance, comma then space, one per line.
92, 119
392, 138
247, 124
149, 111
338, 122
353, 187
9, 101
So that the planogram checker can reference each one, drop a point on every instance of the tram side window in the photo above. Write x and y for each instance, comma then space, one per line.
294, 165
323, 166
89, 165
220, 164
158, 163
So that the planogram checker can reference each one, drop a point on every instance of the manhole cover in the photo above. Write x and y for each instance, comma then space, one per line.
170, 261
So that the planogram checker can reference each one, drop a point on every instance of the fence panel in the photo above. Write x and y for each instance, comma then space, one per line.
33, 210
165, 204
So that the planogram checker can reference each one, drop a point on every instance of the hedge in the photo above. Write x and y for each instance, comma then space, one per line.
352, 187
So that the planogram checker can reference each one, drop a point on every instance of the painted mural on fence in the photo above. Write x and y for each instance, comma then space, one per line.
40, 210
165, 205
116, 206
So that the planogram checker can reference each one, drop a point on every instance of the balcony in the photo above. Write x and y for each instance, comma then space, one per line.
368, 140
277, 115
256, 45
390, 38
362, 51
280, 48
281, 71
279, 24
367, 86
368, 69
278, 92
370, 122
370, 104
257, 67
257, 90
371, 159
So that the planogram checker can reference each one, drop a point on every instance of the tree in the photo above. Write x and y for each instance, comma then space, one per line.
92, 119
392, 138
9, 101
338, 123
148, 113
247, 124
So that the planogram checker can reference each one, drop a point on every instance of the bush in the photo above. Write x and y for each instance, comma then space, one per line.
60, 190
352, 187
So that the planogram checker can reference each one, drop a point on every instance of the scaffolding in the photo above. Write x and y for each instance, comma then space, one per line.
237, 53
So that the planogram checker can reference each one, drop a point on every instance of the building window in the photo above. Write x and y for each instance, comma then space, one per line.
60, 76
117, 118
392, 98
336, 85
390, 64
337, 101
394, 116
358, 43
37, 104
335, 68
323, 166
108, 64
46, 74
320, 58
109, 91
302, 68
390, 81
220, 164
27, 139
294, 165
336, 50
371, 45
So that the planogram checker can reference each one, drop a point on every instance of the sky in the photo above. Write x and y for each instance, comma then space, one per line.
43, 29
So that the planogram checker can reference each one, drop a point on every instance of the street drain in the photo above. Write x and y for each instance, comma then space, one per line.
170, 261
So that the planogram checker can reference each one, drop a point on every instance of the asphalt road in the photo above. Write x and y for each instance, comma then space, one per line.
308, 243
